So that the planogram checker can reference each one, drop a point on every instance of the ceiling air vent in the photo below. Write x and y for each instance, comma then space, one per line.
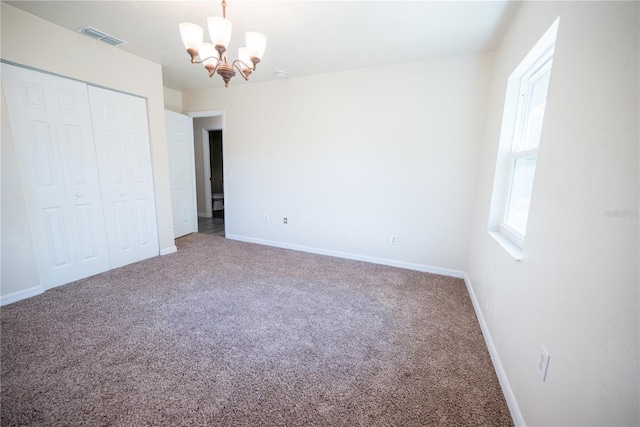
99, 35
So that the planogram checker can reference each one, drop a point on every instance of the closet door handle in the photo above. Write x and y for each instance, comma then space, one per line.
79, 194
121, 194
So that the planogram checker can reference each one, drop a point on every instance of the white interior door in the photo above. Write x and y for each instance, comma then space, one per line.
124, 162
182, 173
53, 137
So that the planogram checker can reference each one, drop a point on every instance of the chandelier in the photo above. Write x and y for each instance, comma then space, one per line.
214, 55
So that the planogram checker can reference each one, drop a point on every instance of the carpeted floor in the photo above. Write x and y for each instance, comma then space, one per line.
235, 334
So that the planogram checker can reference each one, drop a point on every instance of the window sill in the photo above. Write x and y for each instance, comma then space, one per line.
507, 245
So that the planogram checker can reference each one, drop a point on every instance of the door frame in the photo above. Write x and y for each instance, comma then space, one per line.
205, 159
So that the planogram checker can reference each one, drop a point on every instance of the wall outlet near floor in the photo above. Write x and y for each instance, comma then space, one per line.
266, 218
393, 240
543, 363
284, 221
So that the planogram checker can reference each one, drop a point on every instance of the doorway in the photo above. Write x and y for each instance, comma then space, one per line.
209, 146
215, 224
216, 164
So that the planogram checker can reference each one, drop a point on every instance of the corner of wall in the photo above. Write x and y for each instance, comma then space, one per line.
172, 100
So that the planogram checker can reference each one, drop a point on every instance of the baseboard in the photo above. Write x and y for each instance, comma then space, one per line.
37, 290
169, 250
20, 295
374, 260
514, 409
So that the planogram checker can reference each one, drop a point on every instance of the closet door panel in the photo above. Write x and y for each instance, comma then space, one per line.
54, 144
113, 159
78, 155
124, 162
57, 240
45, 194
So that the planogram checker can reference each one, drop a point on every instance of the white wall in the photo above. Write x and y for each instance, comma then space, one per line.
352, 158
576, 289
172, 100
31, 41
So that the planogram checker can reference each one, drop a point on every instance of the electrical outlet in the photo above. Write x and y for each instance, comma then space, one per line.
266, 218
284, 220
543, 363
393, 240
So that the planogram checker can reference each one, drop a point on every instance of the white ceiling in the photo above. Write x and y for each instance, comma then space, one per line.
304, 37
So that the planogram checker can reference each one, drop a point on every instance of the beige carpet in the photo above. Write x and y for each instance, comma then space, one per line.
235, 334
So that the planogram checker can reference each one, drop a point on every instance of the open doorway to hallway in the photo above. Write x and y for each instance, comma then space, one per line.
208, 135
215, 224
212, 225
216, 165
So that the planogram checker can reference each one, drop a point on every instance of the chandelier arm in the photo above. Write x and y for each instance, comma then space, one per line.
209, 57
251, 67
246, 76
224, 9
210, 69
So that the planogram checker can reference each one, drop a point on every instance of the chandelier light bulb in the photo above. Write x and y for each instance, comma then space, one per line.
192, 38
219, 31
191, 35
209, 57
245, 60
256, 43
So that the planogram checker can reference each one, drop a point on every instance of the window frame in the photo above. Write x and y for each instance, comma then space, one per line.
529, 69
542, 64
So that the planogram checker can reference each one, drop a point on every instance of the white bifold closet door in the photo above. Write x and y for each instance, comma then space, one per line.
124, 162
85, 166
53, 138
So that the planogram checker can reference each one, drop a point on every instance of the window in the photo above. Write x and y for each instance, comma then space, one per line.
519, 141
524, 148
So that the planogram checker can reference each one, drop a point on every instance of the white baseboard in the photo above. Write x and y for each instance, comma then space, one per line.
37, 290
20, 295
169, 250
392, 263
514, 409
